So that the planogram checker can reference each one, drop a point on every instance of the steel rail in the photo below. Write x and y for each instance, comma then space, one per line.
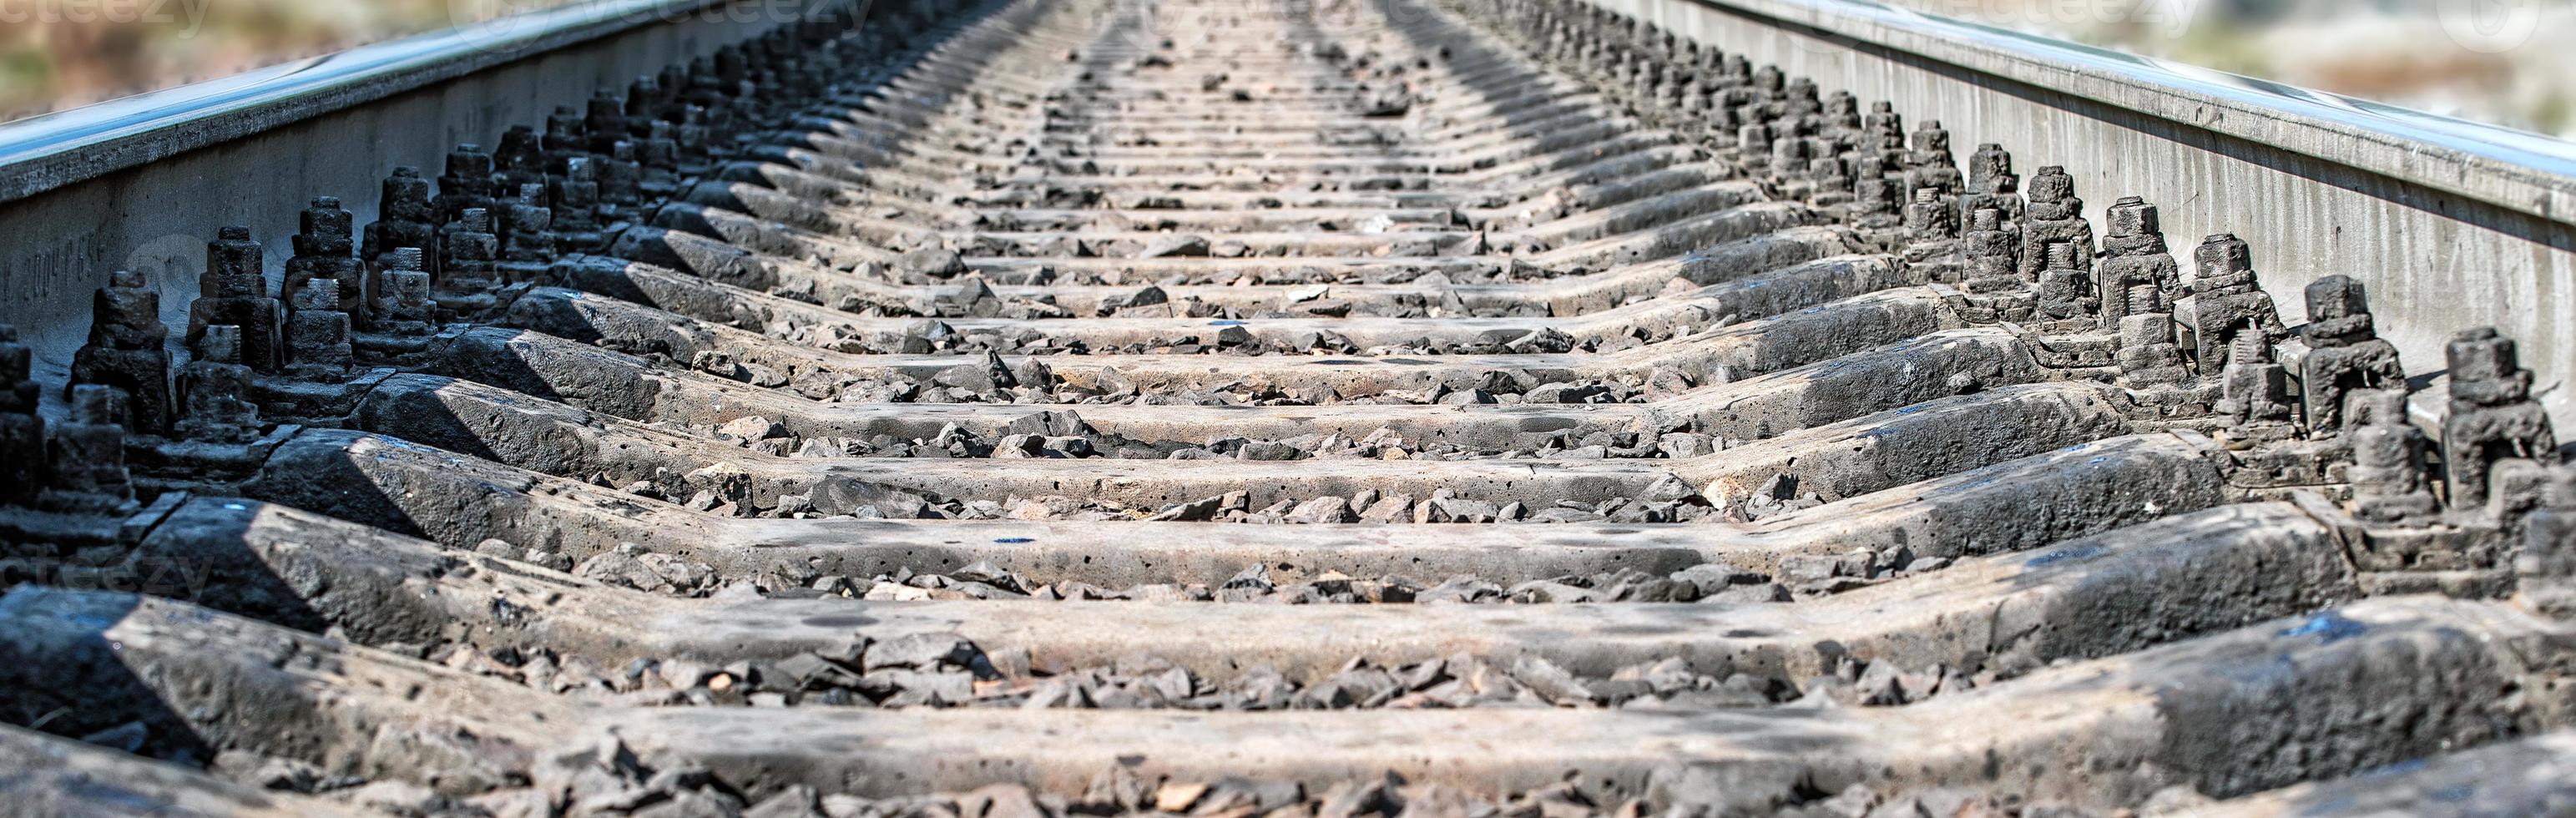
2519, 170
56, 150
2450, 223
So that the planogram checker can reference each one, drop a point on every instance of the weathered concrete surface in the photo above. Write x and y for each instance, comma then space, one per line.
2089, 597
1759, 294
1935, 366
657, 253
2533, 776
1836, 461
461, 501
2450, 224
1723, 354
2097, 596
2102, 734
63, 778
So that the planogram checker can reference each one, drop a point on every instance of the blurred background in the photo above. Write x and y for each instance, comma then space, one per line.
2498, 61
59, 54
2507, 62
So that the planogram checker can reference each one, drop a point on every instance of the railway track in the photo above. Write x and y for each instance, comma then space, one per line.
1285, 408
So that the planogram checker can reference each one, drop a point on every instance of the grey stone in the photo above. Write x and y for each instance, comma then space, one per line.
925, 651
932, 262
838, 495
1266, 450
1175, 246
1713, 577
1566, 393
1767, 592
1543, 590
1671, 489
921, 687
752, 428
1881, 685
1190, 512
797, 801
986, 572
1323, 510
1552, 682
1058, 423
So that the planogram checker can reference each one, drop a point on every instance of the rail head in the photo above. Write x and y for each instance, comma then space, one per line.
57, 150
2523, 172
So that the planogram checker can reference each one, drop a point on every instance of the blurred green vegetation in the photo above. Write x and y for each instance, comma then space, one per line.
22, 66
2234, 51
